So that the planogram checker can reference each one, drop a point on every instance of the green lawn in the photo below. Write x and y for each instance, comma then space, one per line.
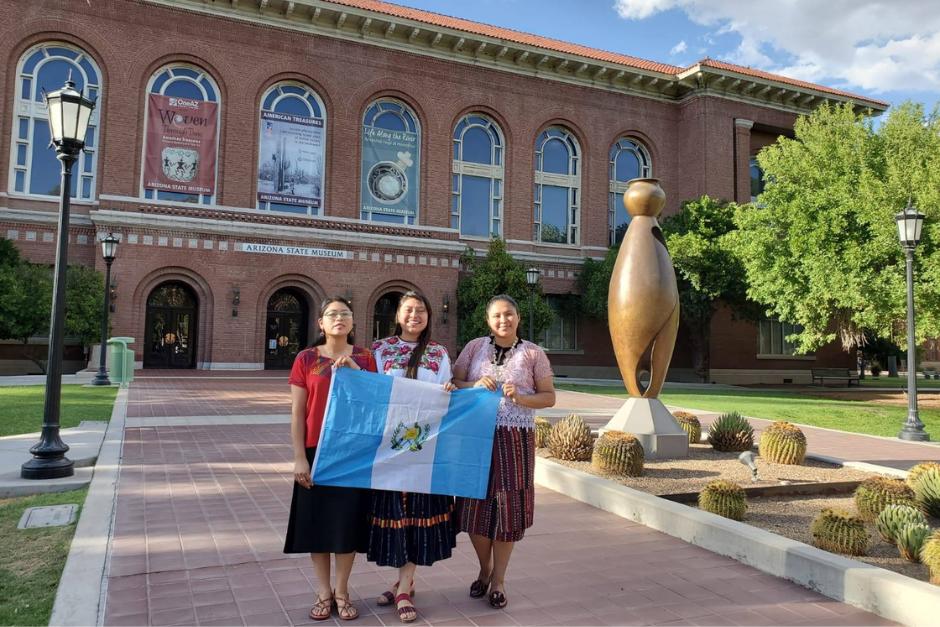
31, 560
898, 383
799, 407
21, 408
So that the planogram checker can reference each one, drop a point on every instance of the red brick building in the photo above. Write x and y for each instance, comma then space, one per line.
354, 147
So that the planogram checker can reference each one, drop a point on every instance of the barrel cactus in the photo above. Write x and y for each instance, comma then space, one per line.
893, 517
876, 493
731, 432
840, 532
618, 452
930, 556
927, 491
542, 429
783, 443
917, 470
910, 540
690, 424
570, 440
723, 498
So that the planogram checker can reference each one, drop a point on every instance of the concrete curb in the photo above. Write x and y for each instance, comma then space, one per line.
79, 599
870, 588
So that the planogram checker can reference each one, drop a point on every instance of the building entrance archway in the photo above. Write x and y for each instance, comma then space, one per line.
383, 316
285, 328
172, 311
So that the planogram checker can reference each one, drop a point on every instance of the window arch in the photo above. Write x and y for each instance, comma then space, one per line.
34, 167
188, 93
291, 149
557, 187
758, 180
476, 208
390, 163
629, 159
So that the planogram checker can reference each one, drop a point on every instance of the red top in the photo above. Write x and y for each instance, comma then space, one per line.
313, 372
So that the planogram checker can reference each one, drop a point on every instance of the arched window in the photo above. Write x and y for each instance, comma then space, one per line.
391, 163
181, 139
757, 179
476, 207
291, 150
557, 187
35, 169
628, 160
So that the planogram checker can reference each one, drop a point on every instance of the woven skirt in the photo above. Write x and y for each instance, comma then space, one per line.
409, 527
509, 506
327, 519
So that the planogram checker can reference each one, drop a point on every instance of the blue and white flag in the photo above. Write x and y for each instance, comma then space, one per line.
392, 433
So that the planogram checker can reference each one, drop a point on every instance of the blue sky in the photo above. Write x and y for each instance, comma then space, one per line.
889, 51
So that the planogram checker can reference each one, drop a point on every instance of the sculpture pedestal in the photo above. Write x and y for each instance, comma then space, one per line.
653, 425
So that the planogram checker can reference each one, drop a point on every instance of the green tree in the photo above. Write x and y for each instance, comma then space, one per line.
820, 247
484, 277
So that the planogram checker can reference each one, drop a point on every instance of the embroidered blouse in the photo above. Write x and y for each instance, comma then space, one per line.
523, 365
313, 372
393, 353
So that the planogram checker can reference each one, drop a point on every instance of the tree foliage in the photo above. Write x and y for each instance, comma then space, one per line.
820, 247
484, 277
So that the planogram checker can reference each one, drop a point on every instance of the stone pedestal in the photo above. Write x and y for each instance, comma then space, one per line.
653, 425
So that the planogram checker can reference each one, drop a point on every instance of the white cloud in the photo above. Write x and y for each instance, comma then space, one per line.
679, 48
869, 44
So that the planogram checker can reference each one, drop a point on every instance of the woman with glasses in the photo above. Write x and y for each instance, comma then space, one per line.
409, 529
521, 368
325, 520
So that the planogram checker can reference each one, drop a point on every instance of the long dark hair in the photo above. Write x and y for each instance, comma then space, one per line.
424, 337
321, 336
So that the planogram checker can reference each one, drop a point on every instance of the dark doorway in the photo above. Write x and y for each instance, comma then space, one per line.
171, 327
383, 319
286, 328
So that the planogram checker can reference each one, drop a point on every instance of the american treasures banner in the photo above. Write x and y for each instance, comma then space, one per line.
181, 145
389, 171
290, 168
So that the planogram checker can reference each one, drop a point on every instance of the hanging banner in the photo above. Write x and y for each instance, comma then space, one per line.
181, 145
290, 160
389, 172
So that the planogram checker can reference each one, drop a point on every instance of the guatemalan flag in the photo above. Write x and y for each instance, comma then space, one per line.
393, 433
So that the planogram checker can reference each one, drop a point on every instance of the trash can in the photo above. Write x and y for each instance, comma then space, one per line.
122, 360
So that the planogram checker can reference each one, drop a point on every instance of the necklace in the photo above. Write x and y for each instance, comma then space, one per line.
500, 354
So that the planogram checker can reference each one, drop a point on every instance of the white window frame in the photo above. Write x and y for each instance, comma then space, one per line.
308, 93
86, 166
618, 187
570, 181
201, 74
414, 126
496, 172
778, 334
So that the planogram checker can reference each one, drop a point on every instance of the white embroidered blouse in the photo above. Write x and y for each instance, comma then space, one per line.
392, 355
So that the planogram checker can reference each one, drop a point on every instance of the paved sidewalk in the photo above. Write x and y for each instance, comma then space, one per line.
84, 442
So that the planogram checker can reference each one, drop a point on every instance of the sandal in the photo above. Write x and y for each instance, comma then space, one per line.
388, 597
346, 611
478, 588
322, 609
406, 613
498, 599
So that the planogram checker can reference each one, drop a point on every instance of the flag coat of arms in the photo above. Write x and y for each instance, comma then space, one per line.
393, 433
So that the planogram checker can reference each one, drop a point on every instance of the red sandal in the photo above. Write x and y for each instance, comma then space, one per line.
388, 597
406, 613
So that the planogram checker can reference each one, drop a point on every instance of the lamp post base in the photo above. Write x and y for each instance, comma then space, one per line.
101, 378
914, 434
47, 468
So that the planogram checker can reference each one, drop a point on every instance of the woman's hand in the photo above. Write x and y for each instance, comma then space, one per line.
346, 361
449, 387
511, 392
486, 382
302, 473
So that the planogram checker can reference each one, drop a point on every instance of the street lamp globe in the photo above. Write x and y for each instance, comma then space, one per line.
532, 276
69, 113
910, 222
109, 246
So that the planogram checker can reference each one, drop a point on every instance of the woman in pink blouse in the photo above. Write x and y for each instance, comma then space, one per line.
497, 522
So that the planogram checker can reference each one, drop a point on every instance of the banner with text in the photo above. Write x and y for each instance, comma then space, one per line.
181, 145
290, 168
389, 172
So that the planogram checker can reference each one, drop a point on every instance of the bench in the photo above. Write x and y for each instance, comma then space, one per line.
930, 372
840, 374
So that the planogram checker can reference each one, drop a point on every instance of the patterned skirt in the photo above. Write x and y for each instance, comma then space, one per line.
409, 527
509, 506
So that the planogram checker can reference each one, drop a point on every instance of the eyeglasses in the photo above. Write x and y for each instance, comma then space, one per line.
342, 315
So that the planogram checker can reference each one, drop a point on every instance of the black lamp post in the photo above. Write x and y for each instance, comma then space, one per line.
532, 279
69, 113
910, 221
109, 247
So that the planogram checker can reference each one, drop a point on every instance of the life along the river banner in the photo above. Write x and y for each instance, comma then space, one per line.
390, 162
290, 159
181, 145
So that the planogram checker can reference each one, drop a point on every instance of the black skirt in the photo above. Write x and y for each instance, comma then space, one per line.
327, 519
409, 527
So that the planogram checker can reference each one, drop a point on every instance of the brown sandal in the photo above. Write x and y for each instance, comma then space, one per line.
478, 588
322, 609
498, 599
406, 613
388, 597
346, 611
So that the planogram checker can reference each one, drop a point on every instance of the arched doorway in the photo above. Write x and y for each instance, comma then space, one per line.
285, 328
172, 310
383, 317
